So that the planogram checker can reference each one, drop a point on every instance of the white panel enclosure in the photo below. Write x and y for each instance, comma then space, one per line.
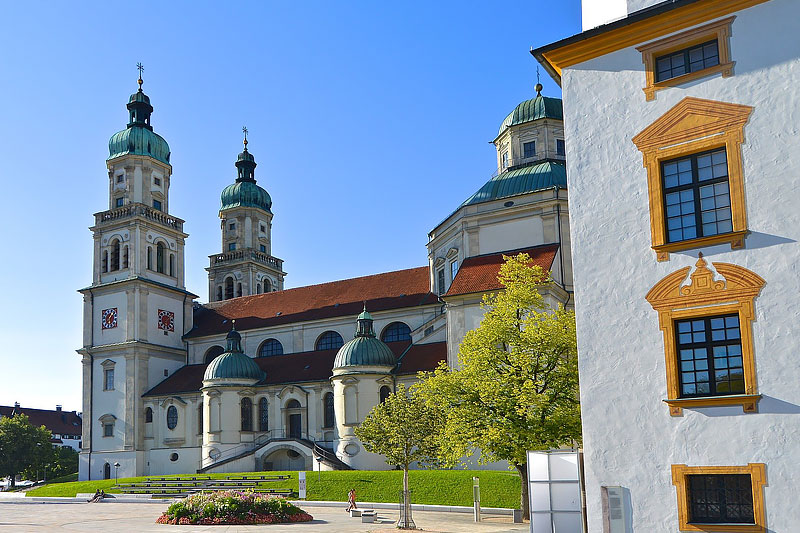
555, 492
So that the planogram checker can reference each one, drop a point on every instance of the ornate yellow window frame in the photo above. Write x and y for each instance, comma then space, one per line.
758, 478
706, 296
695, 125
719, 30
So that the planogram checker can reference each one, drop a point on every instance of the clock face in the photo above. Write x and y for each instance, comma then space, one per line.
109, 318
166, 320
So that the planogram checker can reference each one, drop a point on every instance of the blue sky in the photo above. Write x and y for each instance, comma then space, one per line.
370, 123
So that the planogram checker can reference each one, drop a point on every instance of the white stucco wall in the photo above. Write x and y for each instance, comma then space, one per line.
629, 437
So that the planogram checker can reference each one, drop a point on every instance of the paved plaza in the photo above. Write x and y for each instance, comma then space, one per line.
40, 517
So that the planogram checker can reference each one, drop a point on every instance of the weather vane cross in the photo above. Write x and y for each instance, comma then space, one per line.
244, 130
141, 68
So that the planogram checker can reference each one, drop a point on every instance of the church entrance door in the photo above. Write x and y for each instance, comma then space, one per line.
295, 426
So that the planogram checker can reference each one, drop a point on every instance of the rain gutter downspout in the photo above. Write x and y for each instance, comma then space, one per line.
560, 246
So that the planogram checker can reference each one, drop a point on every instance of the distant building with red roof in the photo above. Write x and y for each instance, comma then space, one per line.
66, 426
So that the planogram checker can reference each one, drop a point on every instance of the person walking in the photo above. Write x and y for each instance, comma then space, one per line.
351, 500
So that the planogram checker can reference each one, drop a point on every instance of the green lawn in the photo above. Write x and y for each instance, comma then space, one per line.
437, 487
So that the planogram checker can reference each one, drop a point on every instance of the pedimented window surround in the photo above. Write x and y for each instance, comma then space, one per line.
719, 31
758, 478
706, 296
695, 125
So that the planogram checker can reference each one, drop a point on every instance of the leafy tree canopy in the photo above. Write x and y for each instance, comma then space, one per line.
516, 384
22, 445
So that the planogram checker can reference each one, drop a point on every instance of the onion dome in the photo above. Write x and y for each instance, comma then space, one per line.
245, 192
365, 349
233, 364
139, 138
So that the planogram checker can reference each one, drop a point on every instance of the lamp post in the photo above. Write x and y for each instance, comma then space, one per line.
116, 470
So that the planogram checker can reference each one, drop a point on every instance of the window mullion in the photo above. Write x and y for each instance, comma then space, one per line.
698, 218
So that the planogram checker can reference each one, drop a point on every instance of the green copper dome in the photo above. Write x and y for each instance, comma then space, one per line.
534, 177
245, 192
533, 109
139, 138
233, 364
365, 349
138, 141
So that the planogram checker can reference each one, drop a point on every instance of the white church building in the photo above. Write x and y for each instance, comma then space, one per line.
267, 378
681, 120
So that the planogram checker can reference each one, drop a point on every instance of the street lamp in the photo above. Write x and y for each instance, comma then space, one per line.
116, 470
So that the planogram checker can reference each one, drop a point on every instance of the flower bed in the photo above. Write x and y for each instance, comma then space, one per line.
232, 507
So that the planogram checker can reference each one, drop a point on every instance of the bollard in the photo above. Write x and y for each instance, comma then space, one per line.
476, 498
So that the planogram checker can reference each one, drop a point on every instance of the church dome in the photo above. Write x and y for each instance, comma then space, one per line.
233, 364
139, 138
533, 109
365, 349
245, 194
138, 141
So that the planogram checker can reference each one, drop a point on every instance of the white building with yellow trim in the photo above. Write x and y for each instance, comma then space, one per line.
680, 122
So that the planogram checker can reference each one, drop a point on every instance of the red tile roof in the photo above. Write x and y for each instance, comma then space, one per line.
58, 422
305, 366
479, 273
389, 290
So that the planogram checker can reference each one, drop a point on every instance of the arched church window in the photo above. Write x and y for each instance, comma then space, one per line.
105, 260
219, 293
212, 353
267, 285
270, 347
228, 288
160, 258
258, 288
115, 255
148, 415
125, 257
238, 289
385, 392
330, 415
293, 404
247, 414
396, 331
263, 414
149, 258
172, 417
330, 340
172, 265
106, 471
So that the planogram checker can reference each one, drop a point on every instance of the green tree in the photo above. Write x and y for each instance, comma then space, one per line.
516, 384
404, 428
56, 462
22, 445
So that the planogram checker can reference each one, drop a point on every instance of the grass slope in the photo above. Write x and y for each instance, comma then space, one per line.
435, 487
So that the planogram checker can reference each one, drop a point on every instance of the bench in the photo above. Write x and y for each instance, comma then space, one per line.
368, 517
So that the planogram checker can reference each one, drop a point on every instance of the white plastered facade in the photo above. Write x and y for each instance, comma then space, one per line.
630, 439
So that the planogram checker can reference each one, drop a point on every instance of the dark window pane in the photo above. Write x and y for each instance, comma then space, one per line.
720, 498
696, 196
330, 340
710, 356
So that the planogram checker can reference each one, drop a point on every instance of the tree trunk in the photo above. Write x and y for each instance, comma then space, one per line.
13, 480
523, 481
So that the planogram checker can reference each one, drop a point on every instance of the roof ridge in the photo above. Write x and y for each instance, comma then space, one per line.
215, 305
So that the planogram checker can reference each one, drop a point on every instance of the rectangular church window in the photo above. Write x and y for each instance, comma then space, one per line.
529, 149
108, 379
157, 204
720, 498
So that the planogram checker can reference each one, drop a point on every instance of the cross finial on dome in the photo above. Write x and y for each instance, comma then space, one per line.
141, 68
244, 130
